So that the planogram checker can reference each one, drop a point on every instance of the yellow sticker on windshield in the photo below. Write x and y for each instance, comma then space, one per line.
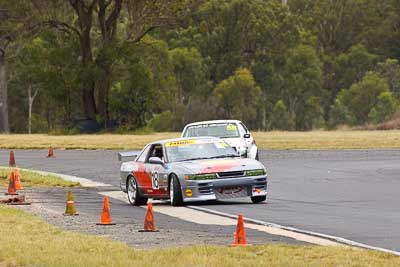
231, 127
223, 144
181, 143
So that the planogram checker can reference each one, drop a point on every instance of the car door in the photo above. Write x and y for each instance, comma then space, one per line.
158, 184
139, 171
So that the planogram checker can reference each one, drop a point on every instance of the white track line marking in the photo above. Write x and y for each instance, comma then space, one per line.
206, 218
214, 217
332, 238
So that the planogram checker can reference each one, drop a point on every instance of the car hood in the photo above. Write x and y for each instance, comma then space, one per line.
234, 141
216, 165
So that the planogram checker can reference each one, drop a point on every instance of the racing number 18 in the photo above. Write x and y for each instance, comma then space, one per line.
154, 180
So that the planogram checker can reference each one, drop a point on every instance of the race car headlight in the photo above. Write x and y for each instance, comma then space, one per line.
255, 172
207, 176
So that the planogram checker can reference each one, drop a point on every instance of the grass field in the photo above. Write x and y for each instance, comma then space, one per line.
29, 241
265, 140
32, 179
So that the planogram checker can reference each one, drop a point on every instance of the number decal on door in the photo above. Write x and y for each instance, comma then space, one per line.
155, 180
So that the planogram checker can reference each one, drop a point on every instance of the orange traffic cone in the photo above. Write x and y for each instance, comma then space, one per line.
11, 162
70, 209
105, 215
18, 184
240, 235
11, 185
50, 154
149, 220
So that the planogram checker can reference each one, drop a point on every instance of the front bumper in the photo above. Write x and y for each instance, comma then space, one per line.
228, 188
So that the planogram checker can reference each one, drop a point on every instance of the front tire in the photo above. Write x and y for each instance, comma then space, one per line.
175, 191
134, 196
258, 199
257, 158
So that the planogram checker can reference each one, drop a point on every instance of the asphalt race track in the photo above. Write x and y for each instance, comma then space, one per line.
352, 194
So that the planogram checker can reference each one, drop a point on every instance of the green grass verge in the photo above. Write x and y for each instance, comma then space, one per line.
32, 179
340, 139
29, 241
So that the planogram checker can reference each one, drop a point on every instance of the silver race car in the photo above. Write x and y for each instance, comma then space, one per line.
191, 169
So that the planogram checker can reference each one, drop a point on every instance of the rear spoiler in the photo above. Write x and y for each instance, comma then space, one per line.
128, 156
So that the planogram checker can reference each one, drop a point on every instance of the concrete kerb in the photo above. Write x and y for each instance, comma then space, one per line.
339, 240
336, 239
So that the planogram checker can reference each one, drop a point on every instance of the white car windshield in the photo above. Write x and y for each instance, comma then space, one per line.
186, 150
223, 130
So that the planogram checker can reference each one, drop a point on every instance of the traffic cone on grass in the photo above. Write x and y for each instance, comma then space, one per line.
105, 215
70, 209
12, 190
11, 162
240, 235
149, 220
50, 154
18, 184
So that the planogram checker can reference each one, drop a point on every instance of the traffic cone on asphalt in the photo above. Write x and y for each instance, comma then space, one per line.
50, 154
70, 209
11, 162
149, 220
18, 184
105, 215
12, 190
240, 235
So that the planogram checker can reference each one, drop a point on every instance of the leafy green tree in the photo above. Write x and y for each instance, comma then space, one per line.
373, 116
239, 97
386, 106
280, 117
363, 96
190, 72
390, 70
131, 99
96, 24
16, 25
191, 80
340, 115
340, 24
352, 66
162, 122
230, 33
50, 90
384, 33
313, 114
145, 83
303, 76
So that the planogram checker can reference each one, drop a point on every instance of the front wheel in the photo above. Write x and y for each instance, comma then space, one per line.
134, 197
257, 158
175, 191
258, 199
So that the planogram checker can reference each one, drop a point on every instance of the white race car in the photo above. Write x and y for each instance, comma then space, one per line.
234, 132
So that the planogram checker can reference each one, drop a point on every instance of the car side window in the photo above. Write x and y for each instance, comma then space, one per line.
143, 156
156, 151
244, 127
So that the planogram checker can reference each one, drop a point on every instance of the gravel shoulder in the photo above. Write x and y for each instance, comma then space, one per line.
50, 205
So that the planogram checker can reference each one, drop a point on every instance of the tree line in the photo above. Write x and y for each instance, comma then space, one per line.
68, 66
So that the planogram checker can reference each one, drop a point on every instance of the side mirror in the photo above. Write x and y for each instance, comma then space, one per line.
156, 160
246, 135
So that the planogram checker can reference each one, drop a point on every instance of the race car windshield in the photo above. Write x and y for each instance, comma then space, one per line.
225, 130
187, 150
